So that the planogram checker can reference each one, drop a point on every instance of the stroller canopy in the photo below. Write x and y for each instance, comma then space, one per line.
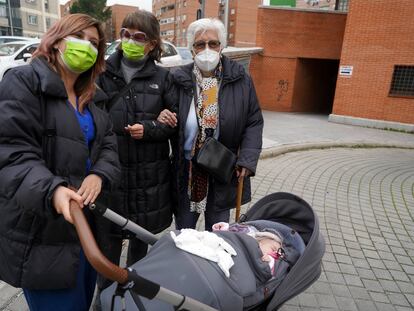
289, 209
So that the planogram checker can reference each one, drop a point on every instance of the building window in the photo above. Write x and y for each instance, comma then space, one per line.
47, 22
32, 19
402, 83
31, 1
3, 11
233, 11
46, 5
342, 5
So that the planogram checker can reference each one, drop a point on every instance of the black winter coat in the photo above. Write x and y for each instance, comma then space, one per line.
240, 127
144, 195
38, 248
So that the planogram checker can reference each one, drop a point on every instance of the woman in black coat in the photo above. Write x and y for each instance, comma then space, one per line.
53, 139
216, 99
138, 90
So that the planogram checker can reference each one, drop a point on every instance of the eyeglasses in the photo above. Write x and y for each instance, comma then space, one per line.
201, 45
138, 36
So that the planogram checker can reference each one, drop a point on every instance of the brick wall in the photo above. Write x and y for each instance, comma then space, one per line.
245, 22
378, 35
286, 36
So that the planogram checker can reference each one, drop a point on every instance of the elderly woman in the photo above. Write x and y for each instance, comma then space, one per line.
216, 98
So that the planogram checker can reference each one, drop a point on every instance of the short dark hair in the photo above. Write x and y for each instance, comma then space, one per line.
146, 22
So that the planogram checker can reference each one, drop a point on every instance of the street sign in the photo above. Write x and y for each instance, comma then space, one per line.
345, 71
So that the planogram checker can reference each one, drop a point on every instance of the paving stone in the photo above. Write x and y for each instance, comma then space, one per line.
326, 301
353, 280
389, 285
307, 300
379, 297
398, 299
372, 285
384, 306
365, 305
346, 304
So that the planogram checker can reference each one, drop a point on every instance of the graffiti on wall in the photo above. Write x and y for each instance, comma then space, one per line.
282, 89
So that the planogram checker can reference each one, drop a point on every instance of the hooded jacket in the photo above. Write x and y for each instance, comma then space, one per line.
240, 127
144, 195
41, 147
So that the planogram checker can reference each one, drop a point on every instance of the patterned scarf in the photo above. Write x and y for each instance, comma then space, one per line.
207, 116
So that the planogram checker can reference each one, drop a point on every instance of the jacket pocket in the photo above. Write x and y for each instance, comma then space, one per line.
51, 266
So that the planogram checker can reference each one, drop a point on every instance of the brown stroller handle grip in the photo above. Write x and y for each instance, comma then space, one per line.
92, 252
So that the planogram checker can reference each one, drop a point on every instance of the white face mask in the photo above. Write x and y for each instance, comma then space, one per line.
207, 60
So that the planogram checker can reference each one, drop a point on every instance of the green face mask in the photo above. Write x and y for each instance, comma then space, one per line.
79, 55
133, 51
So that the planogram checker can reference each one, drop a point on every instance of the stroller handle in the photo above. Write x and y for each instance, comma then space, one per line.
91, 249
127, 277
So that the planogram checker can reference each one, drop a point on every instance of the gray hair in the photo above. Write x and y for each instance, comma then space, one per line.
201, 25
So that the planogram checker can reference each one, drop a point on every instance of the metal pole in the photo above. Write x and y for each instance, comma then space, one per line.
203, 8
226, 18
11, 19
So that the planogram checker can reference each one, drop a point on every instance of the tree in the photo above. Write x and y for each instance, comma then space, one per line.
94, 8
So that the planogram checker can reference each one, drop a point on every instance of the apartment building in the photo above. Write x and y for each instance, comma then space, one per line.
113, 26
30, 18
176, 15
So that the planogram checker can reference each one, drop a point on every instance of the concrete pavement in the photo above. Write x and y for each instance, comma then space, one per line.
364, 198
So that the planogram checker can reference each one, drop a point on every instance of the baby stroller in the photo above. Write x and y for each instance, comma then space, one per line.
193, 283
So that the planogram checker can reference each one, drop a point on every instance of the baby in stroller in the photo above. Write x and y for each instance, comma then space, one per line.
265, 253
269, 240
251, 285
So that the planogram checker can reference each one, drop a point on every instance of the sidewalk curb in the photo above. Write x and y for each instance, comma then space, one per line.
279, 150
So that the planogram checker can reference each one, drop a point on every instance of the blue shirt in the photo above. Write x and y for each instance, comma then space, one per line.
85, 120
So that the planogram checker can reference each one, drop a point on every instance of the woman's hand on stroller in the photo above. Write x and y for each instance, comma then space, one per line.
90, 188
61, 201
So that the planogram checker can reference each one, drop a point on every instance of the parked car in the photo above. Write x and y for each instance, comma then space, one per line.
6, 39
169, 57
185, 54
15, 54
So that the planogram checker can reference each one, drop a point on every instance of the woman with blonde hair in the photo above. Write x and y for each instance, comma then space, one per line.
56, 146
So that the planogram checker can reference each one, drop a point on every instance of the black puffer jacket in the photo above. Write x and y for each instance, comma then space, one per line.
144, 195
38, 248
240, 127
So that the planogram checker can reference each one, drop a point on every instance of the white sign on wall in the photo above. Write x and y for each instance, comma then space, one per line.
345, 71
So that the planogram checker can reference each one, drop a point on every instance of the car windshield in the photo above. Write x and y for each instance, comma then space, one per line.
185, 53
8, 49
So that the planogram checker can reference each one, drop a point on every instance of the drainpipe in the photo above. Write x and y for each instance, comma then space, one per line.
11, 19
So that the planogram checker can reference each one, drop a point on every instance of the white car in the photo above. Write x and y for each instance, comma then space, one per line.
169, 57
6, 39
15, 54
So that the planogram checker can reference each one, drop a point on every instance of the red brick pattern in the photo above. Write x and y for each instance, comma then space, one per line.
287, 36
378, 35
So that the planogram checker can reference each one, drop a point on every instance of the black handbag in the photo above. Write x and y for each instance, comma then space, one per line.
216, 159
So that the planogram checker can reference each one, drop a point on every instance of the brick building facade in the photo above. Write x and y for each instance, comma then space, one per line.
358, 67
378, 37
297, 70
176, 15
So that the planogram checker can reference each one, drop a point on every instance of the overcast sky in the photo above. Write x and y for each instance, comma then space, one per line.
143, 4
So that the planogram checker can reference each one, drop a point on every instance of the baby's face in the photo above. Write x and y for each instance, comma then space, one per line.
268, 246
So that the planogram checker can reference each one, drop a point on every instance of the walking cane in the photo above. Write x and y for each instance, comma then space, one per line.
239, 197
